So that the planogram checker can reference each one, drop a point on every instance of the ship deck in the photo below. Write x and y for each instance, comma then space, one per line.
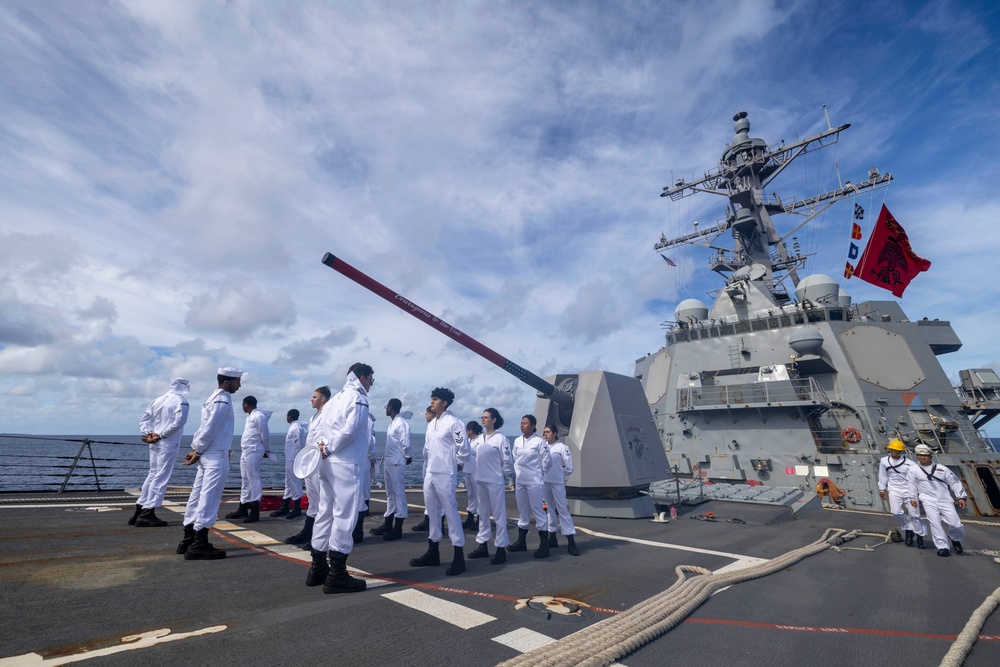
79, 584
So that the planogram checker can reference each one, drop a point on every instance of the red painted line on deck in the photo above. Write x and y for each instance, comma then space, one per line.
835, 630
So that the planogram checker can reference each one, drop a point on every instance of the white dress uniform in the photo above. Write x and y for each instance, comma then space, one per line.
469, 477
295, 440
212, 442
531, 462
555, 488
892, 475
165, 416
368, 471
933, 486
345, 430
253, 445
446, 447
397, 450
493, 464
312, 481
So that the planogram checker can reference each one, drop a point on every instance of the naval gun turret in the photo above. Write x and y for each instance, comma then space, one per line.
603, 417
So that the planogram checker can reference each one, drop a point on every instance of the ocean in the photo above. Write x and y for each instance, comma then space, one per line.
117, 462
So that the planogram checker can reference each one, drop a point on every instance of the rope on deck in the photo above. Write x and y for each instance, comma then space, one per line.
963, 643
613, 638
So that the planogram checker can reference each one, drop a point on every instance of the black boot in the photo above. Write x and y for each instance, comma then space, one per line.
543, 546
319, 568
908, 538
148, 519
457, 563
296, 510
444, 527
499, 557
385, 527
475, 524
519, 544
202, 549
431, 557
339, 581
920, 542
469, 520
359, 529
253, 513
958, 547
482, 551
241, 513
187, 539
283, 510
553, 542
135, 514
944, 552
421, 527
573, 551
394, 533
304, 535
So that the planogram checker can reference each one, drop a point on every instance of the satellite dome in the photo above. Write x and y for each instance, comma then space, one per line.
843, 298
807, 340
690, 309
817, 288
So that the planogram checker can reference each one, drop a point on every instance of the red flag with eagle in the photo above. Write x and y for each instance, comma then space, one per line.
888, 260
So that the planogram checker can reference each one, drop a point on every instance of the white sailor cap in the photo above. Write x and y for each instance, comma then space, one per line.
180, 385
922, 449
230, 372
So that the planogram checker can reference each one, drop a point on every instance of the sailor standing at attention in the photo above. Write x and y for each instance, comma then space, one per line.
210, 450
162, 427
344, 433
365, 485
555, 489
892, 484
531, 462
472, 431
933, 485
447, 450
493, 465
397, 455
295, 440
303, 538
254, 448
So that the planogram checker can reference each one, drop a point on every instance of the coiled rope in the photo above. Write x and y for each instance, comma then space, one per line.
963, 643
615, 637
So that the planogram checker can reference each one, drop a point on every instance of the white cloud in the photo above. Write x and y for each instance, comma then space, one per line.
240, 310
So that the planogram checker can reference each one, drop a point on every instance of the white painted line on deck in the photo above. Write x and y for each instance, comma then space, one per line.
751, 560
130, 643
253, 537
523, 640
456, 614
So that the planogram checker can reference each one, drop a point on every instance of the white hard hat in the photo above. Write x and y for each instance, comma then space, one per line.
922, 449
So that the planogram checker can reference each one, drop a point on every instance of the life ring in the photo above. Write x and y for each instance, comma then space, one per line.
852, 435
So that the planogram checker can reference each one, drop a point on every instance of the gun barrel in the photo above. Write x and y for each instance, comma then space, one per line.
545, 389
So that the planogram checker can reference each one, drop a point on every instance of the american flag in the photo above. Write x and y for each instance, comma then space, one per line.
669, 261
859, 213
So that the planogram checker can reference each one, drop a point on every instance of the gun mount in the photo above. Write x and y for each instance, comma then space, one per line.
603, 417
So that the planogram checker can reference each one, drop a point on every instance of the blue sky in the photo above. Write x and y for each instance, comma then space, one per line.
173, 172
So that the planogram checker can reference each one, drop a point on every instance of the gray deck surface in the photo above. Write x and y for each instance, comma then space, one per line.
76, 579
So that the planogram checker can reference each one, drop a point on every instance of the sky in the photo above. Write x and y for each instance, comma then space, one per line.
173, 172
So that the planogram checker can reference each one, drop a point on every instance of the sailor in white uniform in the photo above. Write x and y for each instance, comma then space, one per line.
365, 487
531, 462
344, 436
210, 450
162, 427
446, 450
472, 431
303, 538
555, 489
494, 464
937, 488
295, 440
892, 485
254, 448
395, 458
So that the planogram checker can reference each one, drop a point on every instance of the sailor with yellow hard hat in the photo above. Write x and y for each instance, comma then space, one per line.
892, 484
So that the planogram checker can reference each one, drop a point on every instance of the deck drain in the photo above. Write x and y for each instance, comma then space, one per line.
556, 609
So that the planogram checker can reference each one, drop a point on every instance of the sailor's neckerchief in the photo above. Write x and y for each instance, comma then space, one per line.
902, 461
930, 475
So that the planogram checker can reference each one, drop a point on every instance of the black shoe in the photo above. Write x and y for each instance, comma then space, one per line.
339, 581
571, 546
283, 510
958, 547
519, 544
304, 535
253, 512
318, 570
358, 536
908, 538
470, 519
202, 549
241, 513
394, 533
431, 557
920, 542
385, 527
421, 527
944, 552
148, 519
457, 563
553, 542
296, 510
482, 551
135, 515
499, 557
543, 546
187, 539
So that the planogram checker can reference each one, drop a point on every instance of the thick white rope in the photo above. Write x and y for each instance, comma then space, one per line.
963, 643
